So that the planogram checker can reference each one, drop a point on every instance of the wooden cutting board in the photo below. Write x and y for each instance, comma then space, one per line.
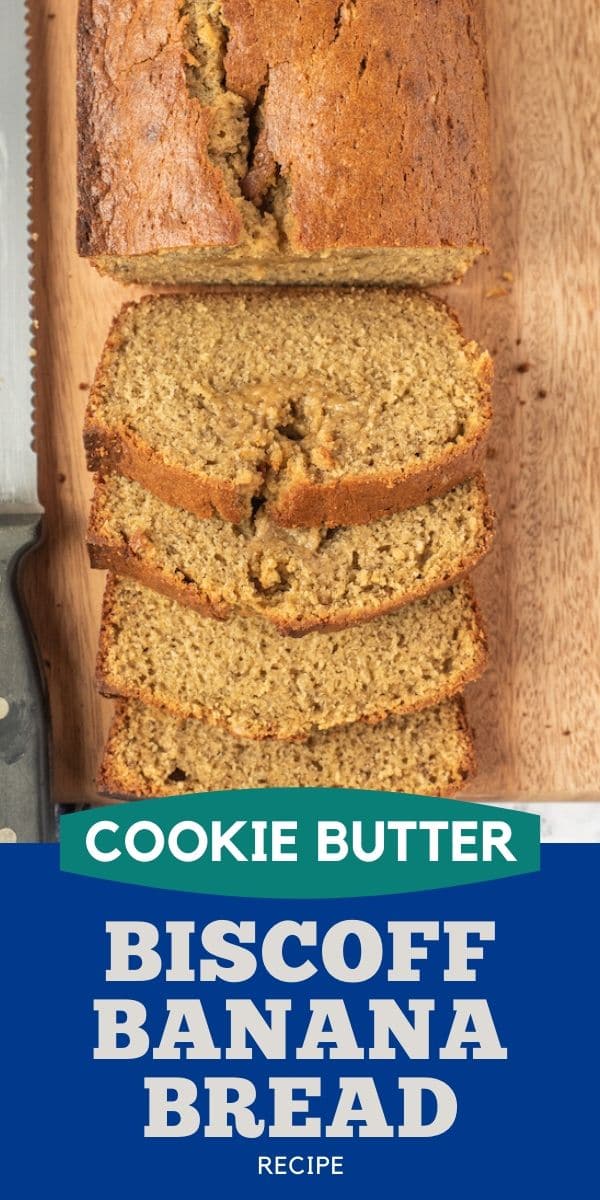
534, 302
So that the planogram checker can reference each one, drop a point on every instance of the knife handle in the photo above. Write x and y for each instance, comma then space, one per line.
25, 812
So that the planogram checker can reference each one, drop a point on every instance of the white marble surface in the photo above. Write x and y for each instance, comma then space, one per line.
571, 822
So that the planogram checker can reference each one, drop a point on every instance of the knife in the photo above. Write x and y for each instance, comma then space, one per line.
25, 813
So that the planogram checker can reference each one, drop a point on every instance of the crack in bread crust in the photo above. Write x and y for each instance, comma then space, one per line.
254, 140
298, 584
302, 477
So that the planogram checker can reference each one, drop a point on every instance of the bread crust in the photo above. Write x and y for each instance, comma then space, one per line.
125, 454
273, 732
116, 781
353, 499
124, 560
145, 180
374, 116
360, 499
112, 689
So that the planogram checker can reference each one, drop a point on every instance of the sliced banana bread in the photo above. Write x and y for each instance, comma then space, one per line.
298, 579
335, 407
150, 753
277, 140
242, 675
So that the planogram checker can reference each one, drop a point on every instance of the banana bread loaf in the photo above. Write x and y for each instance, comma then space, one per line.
299, 580
243, 676
335, 407
277, 141
150, 753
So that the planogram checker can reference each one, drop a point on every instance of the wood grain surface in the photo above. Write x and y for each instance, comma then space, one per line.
534, 302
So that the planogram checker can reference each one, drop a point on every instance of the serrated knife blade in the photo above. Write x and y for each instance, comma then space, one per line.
18, 465
25, 813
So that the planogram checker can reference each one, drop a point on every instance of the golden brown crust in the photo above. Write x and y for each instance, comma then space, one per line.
375, 115
349, 500
120, 450
353, 500
360, 499
144, 176
123, 559
272, 732
111, 689
398, 92
203, 495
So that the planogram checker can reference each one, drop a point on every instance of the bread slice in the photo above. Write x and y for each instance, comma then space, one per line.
150, 753
299, 580
282, 141
243, 676
335, 407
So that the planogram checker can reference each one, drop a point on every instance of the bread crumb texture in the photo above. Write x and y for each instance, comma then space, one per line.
243, 676
276, 141
150, 753
298, 580
335, 407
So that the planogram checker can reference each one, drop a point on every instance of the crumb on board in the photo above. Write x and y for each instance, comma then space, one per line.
502, 287
522, 368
